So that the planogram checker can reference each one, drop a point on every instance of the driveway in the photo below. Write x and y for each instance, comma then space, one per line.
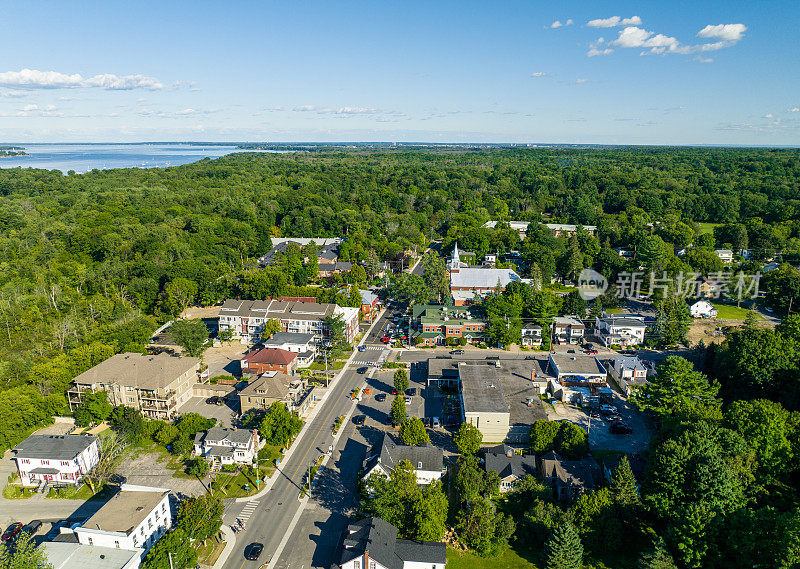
224, 414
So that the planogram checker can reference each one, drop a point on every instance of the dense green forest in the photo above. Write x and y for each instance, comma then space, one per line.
91, 264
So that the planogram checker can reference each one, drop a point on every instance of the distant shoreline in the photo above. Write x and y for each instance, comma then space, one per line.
7, 151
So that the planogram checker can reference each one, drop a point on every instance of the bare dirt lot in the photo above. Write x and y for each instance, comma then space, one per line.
706, 330
224, 359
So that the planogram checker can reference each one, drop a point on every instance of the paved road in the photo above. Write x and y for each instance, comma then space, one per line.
270, 519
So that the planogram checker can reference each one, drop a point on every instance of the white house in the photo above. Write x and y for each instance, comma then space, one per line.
531, 335
703, 309
57, 460
725, 255
568, 330
135, 518
372, 543
624, 330
427, 460
301, 344
511, 468
629, 372
221, 445
577, 368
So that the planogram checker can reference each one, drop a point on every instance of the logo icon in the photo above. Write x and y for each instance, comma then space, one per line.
591, 284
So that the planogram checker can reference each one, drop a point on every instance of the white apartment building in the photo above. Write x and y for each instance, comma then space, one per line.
57, 460
301, 344
623, 330
568, 330
135, 518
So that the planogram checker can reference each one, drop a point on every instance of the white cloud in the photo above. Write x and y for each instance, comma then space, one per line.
614, 21
31, 107
768, 116
305, 108
539, 74
559, 24
596, 48
569, 22
14, 94
725, 32
579, 81
356, 111
702, 59
50, 108
34, 79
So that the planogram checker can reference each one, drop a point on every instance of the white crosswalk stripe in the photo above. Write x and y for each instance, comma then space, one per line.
360, 363
248, 510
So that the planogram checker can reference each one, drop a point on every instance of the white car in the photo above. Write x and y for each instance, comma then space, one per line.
435, 423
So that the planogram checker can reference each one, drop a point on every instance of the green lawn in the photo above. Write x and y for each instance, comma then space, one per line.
708, 227
232, 484
508, 560
730, 312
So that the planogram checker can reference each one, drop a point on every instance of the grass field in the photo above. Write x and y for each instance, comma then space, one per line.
729, 312
708, 227
508, 560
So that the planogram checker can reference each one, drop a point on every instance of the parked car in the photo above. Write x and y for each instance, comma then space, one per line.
362, 369
32, 527
361, 348
457, 352
620, 428
253, 551
380, 397
435, 423
407, 399
592, 351
607, 409
214, 400
411, 391
359, 419
385, 339
12, 531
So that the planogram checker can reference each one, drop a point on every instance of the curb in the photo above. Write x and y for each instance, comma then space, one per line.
230, 543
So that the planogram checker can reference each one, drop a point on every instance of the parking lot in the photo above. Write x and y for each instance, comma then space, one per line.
225, 414
600, 435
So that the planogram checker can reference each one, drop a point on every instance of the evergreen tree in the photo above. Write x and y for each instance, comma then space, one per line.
563, 549
657, 558
623, 484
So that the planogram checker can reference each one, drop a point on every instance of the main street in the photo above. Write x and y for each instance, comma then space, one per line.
272, 516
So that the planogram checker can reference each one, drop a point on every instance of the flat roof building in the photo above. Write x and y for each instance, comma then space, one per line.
483, 403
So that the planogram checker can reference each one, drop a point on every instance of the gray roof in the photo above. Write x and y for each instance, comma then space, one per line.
53, 447
481, 390
125, 510
380, 539
562, 321
531, 326
273, 386
290, 310
217, 435
623, 321
577, 364
442, 368
137, 370
43, 470
389, 454
515, 465
78, 556
367, 296
628, 362
584, 473
281, 338
481, 277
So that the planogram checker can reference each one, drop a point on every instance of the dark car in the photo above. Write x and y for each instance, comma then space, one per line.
412, 391
359, 419
33, 527
12, 531
215, 400
620, 428
380, 397
363, 369
253, 551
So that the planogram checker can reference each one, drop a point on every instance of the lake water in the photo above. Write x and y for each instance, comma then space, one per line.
86, 157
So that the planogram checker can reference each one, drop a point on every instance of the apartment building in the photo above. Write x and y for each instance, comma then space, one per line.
622, 330
568, 330
56, 460
438, 323
269, 388
246, 318
156, 385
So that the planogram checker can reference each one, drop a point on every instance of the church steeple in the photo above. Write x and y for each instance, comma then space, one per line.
455, 262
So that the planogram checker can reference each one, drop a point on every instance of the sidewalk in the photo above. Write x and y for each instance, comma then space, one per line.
309, 419
230, 542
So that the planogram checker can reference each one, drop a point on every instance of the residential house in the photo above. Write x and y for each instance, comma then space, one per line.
476, 281
510, 467
427, 460
55, 460
134, 518
629, 373
725, 255
246, 318
624, 253
569, 479
156, 385
261, 360
326, 271
531, 335
69, 555
301, 344
271, 387
568, 330
221, 445
327, 253
622, 330
708, 287
703, 309
372, 543
483, 403
370, 303
435, 324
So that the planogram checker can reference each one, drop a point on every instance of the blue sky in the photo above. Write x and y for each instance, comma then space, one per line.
699, 72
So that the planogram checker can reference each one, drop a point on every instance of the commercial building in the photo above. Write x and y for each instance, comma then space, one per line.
271, 387
372, 543
577, 368
55, 460
67, 555
621, 330
261, 360
427, 460
135, 518
156, 385
435, 324
222, 446
483, 403
557, 229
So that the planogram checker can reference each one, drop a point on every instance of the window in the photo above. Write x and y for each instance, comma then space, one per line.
116, 544
419, 464
371, 565
357, 564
